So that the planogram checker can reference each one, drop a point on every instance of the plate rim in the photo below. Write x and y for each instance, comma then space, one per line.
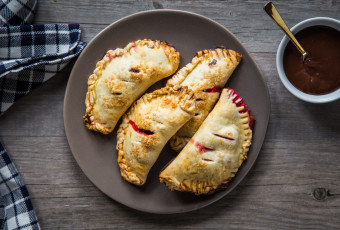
108, 27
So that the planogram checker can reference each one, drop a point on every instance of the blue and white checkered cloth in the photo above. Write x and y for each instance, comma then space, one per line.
16, 12
16, 210
29, 56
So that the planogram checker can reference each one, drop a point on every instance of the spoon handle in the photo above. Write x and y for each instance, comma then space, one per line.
274, 14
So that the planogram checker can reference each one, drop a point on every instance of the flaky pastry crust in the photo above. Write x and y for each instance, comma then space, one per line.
122, 76
205, 75
214, 154
148, 126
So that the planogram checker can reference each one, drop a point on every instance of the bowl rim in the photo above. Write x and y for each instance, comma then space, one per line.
324, 98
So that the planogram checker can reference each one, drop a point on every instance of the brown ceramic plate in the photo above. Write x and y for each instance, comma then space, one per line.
96, 153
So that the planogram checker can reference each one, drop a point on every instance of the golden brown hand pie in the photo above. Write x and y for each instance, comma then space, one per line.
206, 76
214, 154
148, 126
122, 76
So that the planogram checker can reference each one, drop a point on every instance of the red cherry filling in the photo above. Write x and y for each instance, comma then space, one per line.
213, 62
224, 137
207, 160
201, 148
251, 122
134, 47
238, 100
138, 130
109, 56
133, 70
214, 89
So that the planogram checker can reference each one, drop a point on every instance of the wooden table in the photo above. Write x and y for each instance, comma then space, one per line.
294, 184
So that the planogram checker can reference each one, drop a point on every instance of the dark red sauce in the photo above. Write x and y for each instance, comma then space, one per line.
320, 72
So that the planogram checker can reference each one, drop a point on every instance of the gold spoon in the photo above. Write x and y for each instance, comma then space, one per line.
274, 14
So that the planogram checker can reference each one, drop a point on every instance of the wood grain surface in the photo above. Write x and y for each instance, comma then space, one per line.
294, 184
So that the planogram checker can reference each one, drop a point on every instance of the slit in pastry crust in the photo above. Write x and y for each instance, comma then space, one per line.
148, 126
122, 76
206, 75
214, 154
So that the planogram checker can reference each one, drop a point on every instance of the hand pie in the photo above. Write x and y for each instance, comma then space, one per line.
148, 126
214, 154
122, 76
206, 76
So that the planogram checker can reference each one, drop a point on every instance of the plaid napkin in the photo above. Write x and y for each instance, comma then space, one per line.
29, 56
16, 210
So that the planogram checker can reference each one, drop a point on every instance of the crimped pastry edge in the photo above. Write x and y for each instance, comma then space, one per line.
203, 187
89, 117
127, 173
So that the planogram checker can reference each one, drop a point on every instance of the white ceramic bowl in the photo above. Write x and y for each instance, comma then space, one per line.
279, 61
